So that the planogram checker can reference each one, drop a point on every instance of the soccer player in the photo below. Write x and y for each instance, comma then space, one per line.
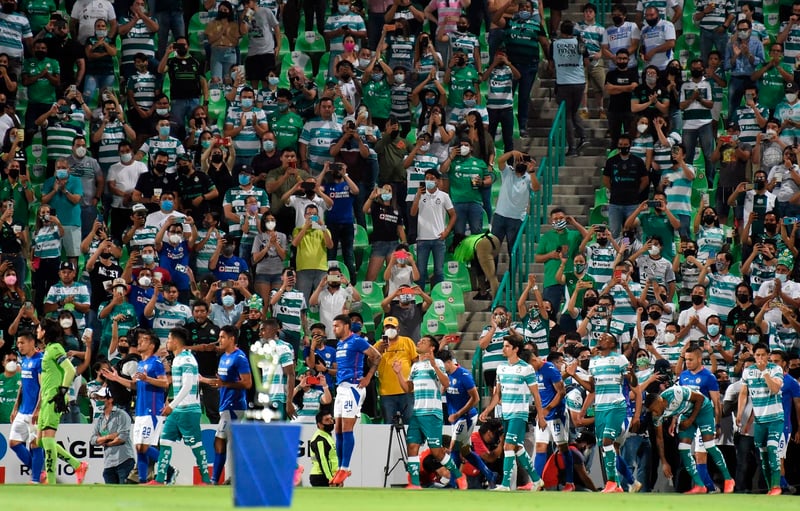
280, 388
183, 412
23, 430
551, 417
695, 413
516, 382
150, 381
426, 378
790, 397
763, 381
233, 379
607, 370
461, 397
350, 391
56, 379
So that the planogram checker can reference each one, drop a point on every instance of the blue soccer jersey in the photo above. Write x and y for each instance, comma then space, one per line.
149, 398
350, 359
457, 395
31, 371
702, 381
231, 368
548, 376
789, 391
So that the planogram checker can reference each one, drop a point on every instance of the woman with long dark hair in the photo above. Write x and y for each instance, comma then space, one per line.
483, 149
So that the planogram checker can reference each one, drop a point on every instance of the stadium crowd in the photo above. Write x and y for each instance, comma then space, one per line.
186, 190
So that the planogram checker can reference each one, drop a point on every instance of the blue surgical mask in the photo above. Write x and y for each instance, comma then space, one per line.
247, 103
386, 197
244, 179
524, 15
273, 80
343, 9
282, 107
753, 338
167, 205
376, 77
163, 131
62, 174
713, 330
228, 300
430, 185
781, 276
430, 101
162, 112
205, 144
268, 145
469, 103
148, 258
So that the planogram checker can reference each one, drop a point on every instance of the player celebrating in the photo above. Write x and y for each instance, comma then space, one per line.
695, 412
233, 379
424, 380
516, 382
351, 382
462, 396
763, 381
607, 370
183, 412
26, 407
150, 381
57, 376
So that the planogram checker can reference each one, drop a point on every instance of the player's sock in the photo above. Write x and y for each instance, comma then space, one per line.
719, 460
784, 482
539, 461
624, 471
447, 462
610, 462
348, 444
413, 469
685, 451
142, 466
478, 463
765, 469
219, 465
66, 456
201, 460
339, 445
163, 460
774, 466
705, 476
37, 463
22, 452
152, 454
51, 458
508, 467
525, 462
456, 455
569, 466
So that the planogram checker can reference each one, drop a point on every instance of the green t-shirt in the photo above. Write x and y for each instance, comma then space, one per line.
572, 281
549, 242
770, 87
377, 97
9, 386
287, 128
654, 224
462, 172
461, 79
52, 373
41, 91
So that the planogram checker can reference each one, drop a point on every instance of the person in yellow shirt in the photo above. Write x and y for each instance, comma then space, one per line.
394, 400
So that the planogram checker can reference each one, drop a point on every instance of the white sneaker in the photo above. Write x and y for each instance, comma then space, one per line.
635, 487
538, 485
500, 487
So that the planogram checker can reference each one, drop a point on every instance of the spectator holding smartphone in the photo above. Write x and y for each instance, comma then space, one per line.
395, 348
319, 356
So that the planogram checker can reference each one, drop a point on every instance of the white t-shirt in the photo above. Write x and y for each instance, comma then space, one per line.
430, 218
299, 204
89, 11
157, 220
683, 320
125, 178
789, 288
331, 305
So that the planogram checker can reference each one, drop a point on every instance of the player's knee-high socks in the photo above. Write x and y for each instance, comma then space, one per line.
569, 466
624, 472
37, 464
348, 444
447, 462
508, 467
610, 462
64, 455
705, 476
525, 462
539, 461
774, 467
51, 458
685, 451
219, 463
201, 460
478, 463
413, 469
22, 452
339, 445
719, 460
142, 465
163, 460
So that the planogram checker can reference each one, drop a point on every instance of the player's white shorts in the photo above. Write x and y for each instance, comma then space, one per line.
461, 430
146, 429
556, 431
22, 429
226, 417
349, 398
783, 446
697, 445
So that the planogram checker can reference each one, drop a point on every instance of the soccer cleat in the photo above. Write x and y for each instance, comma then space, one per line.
526, 487
568, 487
635, 487
729, 485
538, 485
201, 483
298, 475
43, 477
500, 487
413, 487
153, 483
172, 475
338, 477
80, 472
775, 491
612, 487
697, 490
461, 482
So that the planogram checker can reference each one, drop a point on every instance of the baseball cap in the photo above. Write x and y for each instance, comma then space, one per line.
119, 282
732, 125
790, 87
66, 265
244, 168
139, 207
391, 321
102, 393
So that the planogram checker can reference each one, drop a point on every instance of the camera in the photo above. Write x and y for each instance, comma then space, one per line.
397, 420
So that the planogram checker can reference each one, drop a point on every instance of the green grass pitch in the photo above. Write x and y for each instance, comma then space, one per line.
133, 498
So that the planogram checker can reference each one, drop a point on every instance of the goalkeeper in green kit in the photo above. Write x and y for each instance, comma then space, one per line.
57, 376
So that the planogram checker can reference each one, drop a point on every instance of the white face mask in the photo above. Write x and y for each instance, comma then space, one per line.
465, 150
669, 337
11, 366
654, 251
641, 128
363, 62
391, 333
80, 152
270, 226
65, 322
175, 238
125, 157
145, 281
424, 148
791, 98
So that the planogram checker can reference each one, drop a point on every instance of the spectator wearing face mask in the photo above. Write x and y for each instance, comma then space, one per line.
654, 267
745, 310
224, 263
325, 462
402, 305
115, 312
334, 295
554, 245
401, 270
395, 348
173, 250
721, 284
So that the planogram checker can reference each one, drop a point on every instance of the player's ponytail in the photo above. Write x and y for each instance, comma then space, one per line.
52, 331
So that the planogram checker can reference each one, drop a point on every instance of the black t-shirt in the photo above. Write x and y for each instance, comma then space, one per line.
98, 277
642, 94
738, 315
191, 187
262, 164
224, 180
626, 176
621, 102
9, 243
67, 52
385, 220
184, 77
149, 181
410, 319
207, 361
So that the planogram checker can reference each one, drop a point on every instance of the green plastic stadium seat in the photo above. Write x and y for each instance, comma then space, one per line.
452, 293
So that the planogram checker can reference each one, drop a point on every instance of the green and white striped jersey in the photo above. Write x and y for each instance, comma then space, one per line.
311, 405
108, 150
47, 243
167, 317
592, 35
678, 403
600, 262
641, 145
782, 338
427, 389
139, 40
205, 253
679, 191
717, 17
237, 198
623, 309
537, 331
661, 5
79, 293
466, 41
59, 140
709, 242
170, 145
319, 135
277, 388
722, 293
598, 326
696, 115
501, 94
143, 236
289, 310
515, 381
143, 86
493, 354
608, 372
670, 353
186, 374
791, 48
247, 143
767, 407
415, 174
